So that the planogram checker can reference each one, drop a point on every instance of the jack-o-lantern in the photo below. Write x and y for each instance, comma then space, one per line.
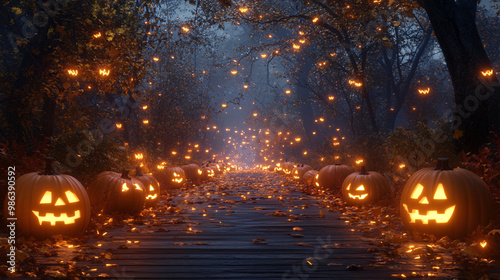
216, 167
192, 172
299, 171
444, 201
278, 168
116, 193
364, 187
151, 187
207, 173
171, 178
332, 176
309, 177
288, 167
48, 203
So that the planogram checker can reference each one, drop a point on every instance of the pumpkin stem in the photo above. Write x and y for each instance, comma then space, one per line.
125, 174
138, 171
442, 164
336, 164
49, 167
363, 170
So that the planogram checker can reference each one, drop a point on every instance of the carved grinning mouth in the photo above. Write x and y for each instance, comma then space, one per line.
431, 215
52, 219
362, 196
150, 196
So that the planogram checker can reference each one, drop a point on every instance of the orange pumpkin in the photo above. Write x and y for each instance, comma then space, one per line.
332, 176
48, 203
446, 201
207, 173
151, 187
192, 172
171, 178
116, 193
287, 167
299, 171
309, 177
364, 187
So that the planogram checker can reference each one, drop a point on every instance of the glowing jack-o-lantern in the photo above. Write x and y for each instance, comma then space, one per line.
48, 203
192, 172
332, 176
216, 168
487, 73
73, 72
309, 177
117, 193
445, 201
151, 187
104, 72
278, 168
170, 178
139, 156
287, 167
299, 171
424, 91
364, 187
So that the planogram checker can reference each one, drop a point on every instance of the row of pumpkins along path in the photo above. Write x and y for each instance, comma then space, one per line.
391, 247
442, 201
47, 203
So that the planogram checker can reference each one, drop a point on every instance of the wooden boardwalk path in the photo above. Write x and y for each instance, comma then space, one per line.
242, 226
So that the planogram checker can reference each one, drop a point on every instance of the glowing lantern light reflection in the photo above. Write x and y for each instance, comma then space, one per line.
487, 73
424, 91
104, 72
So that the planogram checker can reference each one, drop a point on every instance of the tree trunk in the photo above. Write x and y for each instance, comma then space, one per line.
48, 118
305, 64
476, 97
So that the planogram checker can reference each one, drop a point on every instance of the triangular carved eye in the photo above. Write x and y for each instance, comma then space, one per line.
72, 198
440, 194
417, 191
360, 188
137, 187
349, 187
124, 187
151, 188
47, 198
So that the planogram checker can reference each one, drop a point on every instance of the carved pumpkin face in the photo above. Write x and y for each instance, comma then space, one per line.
210, 172
429, 205
115, 192
364, 187
48, 203
58, 209
171, 178
176, 178
357, 192
153, 195
299, 171
445, 201
151, 187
